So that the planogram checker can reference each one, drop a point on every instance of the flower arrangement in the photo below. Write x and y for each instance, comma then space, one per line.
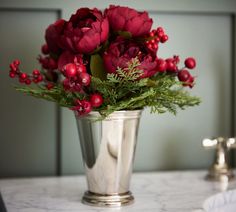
107, 61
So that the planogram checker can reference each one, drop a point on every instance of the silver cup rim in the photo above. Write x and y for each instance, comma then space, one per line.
120, 114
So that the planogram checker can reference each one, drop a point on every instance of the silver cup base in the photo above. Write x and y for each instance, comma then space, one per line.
105, 200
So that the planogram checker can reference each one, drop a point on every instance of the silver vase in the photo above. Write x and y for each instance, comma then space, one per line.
108, 149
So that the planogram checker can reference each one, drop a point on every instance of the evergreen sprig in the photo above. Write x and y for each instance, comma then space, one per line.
125, 90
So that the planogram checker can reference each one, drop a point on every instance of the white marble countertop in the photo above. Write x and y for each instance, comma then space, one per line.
182, 191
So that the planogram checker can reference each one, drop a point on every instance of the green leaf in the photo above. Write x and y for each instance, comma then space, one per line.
125, 34
97, 67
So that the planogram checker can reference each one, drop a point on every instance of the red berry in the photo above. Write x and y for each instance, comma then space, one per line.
157, 40
27, 81
77, 102
152, 34
154, 31
171, 66
76, 87
82, 107
45, 49
149, 46
78, 110
39, 78
183, 75
160, 34
160, 29
190, 63
85, 79
70, 70
87, 107
66, 84
36, 72
170, 60
23, 76
81, 68
49, 86
35, 81
21, 80
189, 82
164, 38
96, 100
161, 65
176, 59
153, 41
16, 62
155, 46
13, 67
12, 74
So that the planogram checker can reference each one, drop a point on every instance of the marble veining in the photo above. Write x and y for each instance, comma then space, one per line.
182, 191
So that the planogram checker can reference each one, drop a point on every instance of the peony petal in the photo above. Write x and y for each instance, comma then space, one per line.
80, 14
52, 35
127, 13
140, 25
88, 44
96, 26
118, 23
134, 25
105, 30
115, 18
97, 13
147, 24
128, 19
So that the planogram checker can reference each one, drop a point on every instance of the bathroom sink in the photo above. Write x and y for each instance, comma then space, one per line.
222, 202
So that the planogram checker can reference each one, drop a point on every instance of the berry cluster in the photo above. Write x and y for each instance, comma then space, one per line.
76, 80
25, 78
170, 65
157, 35
184, 75
76, 77
83, 107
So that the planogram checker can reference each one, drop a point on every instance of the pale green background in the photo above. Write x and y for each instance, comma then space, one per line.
29, 130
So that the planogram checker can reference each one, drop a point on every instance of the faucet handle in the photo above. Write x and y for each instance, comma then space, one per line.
220, 168
209, 143
219, 142
231, 143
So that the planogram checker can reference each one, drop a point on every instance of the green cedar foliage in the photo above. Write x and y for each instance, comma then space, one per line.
125, 90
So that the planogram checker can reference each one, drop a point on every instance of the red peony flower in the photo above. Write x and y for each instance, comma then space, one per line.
127, 19
122, 51
53, 34
85, 31
79, 53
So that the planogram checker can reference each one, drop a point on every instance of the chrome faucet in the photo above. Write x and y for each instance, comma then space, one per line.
221, 167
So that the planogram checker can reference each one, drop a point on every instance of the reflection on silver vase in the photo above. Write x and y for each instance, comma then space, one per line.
108, 148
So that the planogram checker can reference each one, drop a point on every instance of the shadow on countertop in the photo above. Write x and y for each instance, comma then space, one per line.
2, 206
